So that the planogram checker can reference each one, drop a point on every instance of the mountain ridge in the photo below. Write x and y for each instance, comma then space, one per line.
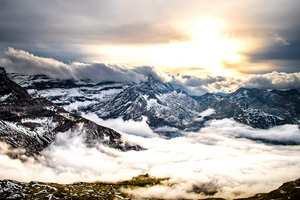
257, 108
32, 123
165, 106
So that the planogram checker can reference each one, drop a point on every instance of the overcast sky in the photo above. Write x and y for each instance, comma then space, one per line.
191, 37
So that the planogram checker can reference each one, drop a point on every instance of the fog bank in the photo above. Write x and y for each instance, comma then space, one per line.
213, 158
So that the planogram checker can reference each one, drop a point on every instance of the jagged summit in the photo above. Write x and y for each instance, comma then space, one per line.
158, 86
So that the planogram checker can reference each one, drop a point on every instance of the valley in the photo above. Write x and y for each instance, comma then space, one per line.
42, 124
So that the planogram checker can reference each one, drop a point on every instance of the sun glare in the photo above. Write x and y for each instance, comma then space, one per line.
207, 50
204, 29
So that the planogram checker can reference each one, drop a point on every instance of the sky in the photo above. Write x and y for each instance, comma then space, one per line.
198, 46
184, 39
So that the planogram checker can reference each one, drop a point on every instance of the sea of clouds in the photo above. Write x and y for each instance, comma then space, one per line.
216, 157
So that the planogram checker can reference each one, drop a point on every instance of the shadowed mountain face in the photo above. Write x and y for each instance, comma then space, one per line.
33, 123
163, 105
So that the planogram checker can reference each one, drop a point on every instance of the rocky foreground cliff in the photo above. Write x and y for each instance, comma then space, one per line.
10, 189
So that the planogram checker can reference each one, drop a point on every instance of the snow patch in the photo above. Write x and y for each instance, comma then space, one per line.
3, 98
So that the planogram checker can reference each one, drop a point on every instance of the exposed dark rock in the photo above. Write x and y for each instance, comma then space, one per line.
257, 108
33, 123
289, 190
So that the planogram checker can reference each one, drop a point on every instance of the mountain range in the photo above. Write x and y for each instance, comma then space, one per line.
35, 108
163, 105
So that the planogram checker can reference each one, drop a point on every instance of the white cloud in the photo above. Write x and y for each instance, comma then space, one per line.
207, 112
130, 127
202, 84
165, 129
20, 61
212, 158
106, 72
23, 62
229, 127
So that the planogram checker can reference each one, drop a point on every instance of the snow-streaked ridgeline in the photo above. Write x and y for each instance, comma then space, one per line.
163, 105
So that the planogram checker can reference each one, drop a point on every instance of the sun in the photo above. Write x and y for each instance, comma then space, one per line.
204, 29
207, 49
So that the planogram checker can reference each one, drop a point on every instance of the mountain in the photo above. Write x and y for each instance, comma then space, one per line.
163, 105
32, 123
159, 102
257, 108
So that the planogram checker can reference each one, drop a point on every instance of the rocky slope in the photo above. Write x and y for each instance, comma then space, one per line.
32, 123
163, 105
159, 102
10, 189
257, 108
289, 190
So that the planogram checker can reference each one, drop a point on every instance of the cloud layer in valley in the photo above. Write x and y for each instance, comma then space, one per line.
20, 61
130, 127
217, 157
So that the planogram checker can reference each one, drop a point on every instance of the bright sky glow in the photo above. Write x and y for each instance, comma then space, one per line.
205, 51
